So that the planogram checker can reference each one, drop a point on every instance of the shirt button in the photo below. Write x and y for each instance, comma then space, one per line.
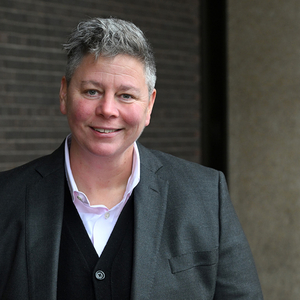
79, 198
100, 275
107, 215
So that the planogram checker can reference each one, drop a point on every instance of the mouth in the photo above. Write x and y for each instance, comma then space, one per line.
102, 130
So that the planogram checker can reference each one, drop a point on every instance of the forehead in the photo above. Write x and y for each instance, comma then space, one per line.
120, 65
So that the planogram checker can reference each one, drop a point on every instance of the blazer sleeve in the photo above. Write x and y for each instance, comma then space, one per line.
236, 276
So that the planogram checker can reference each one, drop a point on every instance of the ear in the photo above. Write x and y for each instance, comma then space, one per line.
150, 107
63, 96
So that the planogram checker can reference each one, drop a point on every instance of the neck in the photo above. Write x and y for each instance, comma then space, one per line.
103, 180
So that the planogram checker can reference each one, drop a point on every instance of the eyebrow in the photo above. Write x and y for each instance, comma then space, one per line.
121, 87
129, 87
95, 83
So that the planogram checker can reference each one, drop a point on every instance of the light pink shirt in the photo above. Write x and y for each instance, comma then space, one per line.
98, 220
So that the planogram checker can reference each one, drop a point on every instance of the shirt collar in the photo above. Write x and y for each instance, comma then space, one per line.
132, 181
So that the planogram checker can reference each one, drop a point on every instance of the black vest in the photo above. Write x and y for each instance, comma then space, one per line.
82, 274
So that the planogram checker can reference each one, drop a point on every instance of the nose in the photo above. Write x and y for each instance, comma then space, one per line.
107, 107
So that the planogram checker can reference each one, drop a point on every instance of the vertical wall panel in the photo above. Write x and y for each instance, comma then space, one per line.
264, 136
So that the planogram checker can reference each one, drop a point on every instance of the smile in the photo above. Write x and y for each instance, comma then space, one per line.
105, 130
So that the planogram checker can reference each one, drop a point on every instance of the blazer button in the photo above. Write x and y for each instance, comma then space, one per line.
100, 275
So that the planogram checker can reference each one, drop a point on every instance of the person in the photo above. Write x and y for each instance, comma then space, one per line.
103, 217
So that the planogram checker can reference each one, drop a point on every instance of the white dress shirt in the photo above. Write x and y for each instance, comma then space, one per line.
98, 220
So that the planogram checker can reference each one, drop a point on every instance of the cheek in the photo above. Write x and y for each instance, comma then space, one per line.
78, 113
135, 117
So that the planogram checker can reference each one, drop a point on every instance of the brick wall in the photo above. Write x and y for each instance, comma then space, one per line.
32, 64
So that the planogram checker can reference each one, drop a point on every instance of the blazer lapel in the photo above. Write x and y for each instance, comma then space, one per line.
150, 201
44, 213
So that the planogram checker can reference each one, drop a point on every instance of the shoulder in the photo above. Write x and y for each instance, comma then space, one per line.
183, 176
33, 170
164, 163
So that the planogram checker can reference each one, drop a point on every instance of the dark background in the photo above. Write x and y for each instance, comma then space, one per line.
189, 40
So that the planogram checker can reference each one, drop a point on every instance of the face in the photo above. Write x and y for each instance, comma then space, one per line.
107, 104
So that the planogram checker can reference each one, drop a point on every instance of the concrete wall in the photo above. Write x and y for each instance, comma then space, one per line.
32, 63
264, 136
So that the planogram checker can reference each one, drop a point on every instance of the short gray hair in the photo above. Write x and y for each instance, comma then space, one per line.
109, 37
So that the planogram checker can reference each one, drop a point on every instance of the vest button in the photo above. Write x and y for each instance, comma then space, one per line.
100, 275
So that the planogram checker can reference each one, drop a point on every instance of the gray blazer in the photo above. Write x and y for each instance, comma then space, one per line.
188, 242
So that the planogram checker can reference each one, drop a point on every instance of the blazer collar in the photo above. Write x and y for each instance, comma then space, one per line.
150, 201
44, 214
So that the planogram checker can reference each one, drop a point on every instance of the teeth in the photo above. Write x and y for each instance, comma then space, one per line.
105, 130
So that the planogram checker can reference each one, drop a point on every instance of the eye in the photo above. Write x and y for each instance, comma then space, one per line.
126, 96
92, 92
